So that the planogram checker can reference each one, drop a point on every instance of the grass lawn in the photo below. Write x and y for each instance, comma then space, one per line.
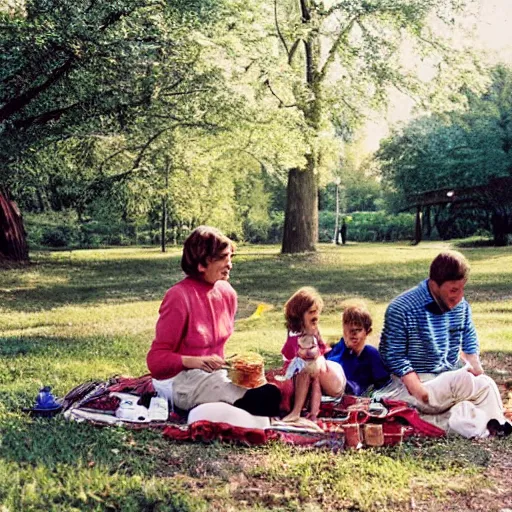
73, 316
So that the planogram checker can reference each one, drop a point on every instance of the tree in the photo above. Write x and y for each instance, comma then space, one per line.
359, 181
13, 245
464, 150
337, 62
90, 70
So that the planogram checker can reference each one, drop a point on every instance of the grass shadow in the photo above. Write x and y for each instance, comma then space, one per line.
62, 282
257, 276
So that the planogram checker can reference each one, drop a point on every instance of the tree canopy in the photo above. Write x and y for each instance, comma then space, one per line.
332, 63
177, 106
456, 149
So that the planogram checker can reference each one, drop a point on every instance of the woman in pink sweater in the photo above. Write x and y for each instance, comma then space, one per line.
197, 317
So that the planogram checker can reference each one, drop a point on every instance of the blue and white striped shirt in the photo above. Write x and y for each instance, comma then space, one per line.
418, 337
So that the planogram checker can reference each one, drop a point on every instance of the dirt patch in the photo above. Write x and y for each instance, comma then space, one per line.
496, 496
499, 366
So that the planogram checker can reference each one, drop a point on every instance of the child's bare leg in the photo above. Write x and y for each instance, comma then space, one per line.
302, 381
333, 380
316, 398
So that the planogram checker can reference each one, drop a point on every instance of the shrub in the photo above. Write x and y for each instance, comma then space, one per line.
256, 231
275, 232
51, 229
368, 226
58, 236
120, 239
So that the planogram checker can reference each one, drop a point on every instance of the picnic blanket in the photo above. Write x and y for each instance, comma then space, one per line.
346, 422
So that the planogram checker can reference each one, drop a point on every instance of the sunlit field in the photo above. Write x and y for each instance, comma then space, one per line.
74, 316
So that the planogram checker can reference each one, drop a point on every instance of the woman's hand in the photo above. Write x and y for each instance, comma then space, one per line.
206, 363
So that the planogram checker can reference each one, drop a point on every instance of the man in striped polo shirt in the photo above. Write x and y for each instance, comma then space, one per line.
430, 346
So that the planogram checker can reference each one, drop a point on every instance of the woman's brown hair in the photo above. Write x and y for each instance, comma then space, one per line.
203, 244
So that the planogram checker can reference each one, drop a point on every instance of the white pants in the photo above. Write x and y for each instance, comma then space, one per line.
448, 389
193, 387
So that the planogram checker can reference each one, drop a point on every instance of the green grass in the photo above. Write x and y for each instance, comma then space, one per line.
73, 316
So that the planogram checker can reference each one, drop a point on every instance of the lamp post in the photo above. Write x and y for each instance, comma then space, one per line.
337, 181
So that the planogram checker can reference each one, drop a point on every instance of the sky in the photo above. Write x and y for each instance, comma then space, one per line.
487, 28
493, 27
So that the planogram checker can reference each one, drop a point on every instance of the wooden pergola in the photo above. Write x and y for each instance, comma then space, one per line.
495, 196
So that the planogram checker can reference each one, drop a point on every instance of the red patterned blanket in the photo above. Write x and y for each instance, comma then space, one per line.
348, 422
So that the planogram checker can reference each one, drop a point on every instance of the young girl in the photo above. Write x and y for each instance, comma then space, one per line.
302, 312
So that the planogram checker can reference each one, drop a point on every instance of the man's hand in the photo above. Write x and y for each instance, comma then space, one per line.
473, 363
421, 394
206, 363
476, 371
415, 387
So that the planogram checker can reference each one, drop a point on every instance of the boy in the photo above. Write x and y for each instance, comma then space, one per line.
361, 363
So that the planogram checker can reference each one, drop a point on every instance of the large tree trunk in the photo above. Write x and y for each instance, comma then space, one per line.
13, 242
301, 218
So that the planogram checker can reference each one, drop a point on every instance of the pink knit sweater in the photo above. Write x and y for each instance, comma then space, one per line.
196, 319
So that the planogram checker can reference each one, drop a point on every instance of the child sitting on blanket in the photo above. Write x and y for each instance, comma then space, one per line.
302, 312
361, 363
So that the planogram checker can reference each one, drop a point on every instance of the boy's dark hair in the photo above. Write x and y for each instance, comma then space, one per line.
357, 313
298, 304
202, 244
449, 266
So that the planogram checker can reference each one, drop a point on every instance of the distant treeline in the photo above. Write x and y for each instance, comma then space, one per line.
62, 230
